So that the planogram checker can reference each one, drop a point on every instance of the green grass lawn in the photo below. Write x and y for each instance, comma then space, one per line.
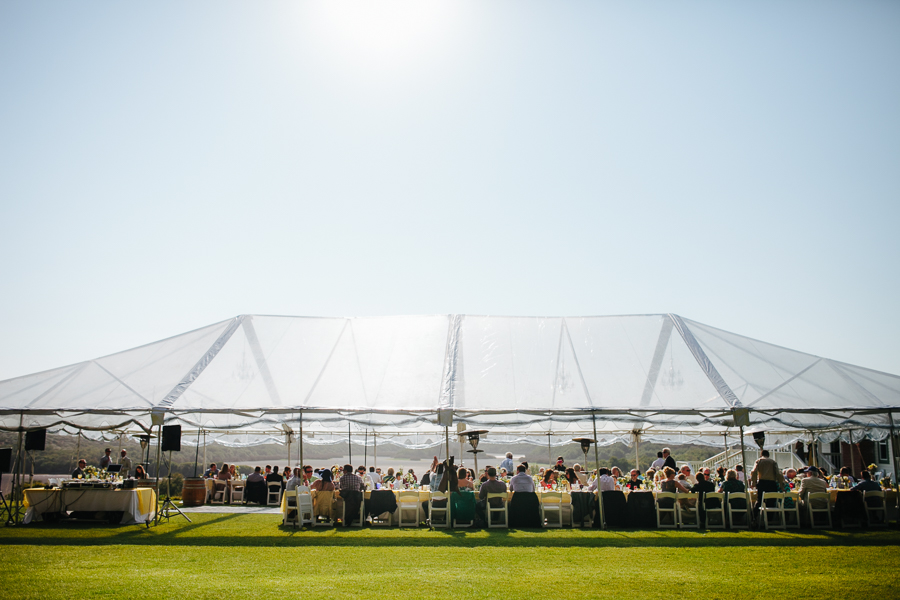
221, 556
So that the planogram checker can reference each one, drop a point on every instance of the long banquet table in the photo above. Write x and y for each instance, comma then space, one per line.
137, 505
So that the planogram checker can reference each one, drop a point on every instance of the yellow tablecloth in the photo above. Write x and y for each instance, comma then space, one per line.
138, 505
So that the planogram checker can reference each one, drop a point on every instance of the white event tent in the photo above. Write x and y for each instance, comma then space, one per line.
657, 378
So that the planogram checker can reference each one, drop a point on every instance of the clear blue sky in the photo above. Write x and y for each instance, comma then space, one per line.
165, 165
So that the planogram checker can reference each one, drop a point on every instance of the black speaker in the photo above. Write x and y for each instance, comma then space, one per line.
171, 441
35, 439
5, 460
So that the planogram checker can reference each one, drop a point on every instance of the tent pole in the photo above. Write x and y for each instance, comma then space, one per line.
447, 441
744, 460
549, 451
289, 436
596, 443
77, 450
366, 448
637, 446
725, 442
158, 451
852, 462
349, 445
300, 443
197, 452
204, 450
18, 467
374, 449
895, 484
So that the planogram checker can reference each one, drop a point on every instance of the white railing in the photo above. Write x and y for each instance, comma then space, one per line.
732, 457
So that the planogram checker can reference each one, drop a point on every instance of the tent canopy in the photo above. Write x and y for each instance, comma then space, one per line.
669, 378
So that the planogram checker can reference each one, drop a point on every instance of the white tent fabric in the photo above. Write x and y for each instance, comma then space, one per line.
523, 378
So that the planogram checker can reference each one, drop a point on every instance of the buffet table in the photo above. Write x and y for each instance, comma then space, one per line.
137, 506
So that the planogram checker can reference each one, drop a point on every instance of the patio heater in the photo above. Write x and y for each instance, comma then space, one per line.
586, 444
473, 436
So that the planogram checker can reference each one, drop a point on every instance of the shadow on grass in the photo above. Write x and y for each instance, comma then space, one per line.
219, 531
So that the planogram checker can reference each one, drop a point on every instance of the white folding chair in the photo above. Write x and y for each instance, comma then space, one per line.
273, 498
408, 504
237, 493
819, 503
687, 510
666, 516
792, 510
443, 512
738, 518
305, 513
771, 510
715, 515
493, 511
289, 504
551, 504
220, 495
876, 509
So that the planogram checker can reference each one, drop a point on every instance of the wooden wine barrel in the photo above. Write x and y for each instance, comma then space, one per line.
194, 491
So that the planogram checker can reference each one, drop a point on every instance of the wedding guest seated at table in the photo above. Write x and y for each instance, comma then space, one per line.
650, 475
325, 484
79, 470
681, 477
845, 472
605, 482
212, 471
615, 472
634, 483
389, 476
672, 485
274, 477
225, 473
256, 487
504, 474
464, 482
572, 478
549, 479
352, 488
812, 484
739, 469
582, 476
491, 486
139, 472
731, 483
296, 480
686, 471
720, 474
790, 474
867, 485
703, 485
521, 481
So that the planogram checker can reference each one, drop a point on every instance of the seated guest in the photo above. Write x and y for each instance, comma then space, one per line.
521, 482
307, 473
845, 472
681, 477
349, 481
671, 485
720, 474
467, 484
572, 477
634, 483
615, 472
731, 483
268, 471
324, 484
233, 470
274, 477
139, 472
702, 486
436, 477
604, 483
256, 490
296, 480
79, 470
812, 484
212, 471
582, 476
549, 479
867, 485
740, 472
491, 486
388, 477
225, 473
686, 471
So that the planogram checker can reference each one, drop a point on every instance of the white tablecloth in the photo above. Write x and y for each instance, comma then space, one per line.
138, 505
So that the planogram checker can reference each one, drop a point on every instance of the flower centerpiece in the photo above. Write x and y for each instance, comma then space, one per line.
90, 472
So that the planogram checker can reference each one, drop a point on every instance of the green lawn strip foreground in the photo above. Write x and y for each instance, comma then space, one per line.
74, 571
266, 530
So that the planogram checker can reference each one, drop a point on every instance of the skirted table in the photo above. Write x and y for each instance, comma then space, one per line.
137, 506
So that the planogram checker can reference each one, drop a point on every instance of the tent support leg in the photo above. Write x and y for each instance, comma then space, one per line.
374, 449
894, 483
852, 458
158, 458
349, 445
549, 451
596, 443
637, 447
197, 453
744, 461
300, 443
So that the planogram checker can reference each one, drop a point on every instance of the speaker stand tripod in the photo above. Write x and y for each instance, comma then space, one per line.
168, 507
6, 509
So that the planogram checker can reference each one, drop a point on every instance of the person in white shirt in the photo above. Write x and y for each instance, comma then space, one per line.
521, 481
604, 483
507, 463
294, 481
126, 465
373, 478
657, 464
686, 471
